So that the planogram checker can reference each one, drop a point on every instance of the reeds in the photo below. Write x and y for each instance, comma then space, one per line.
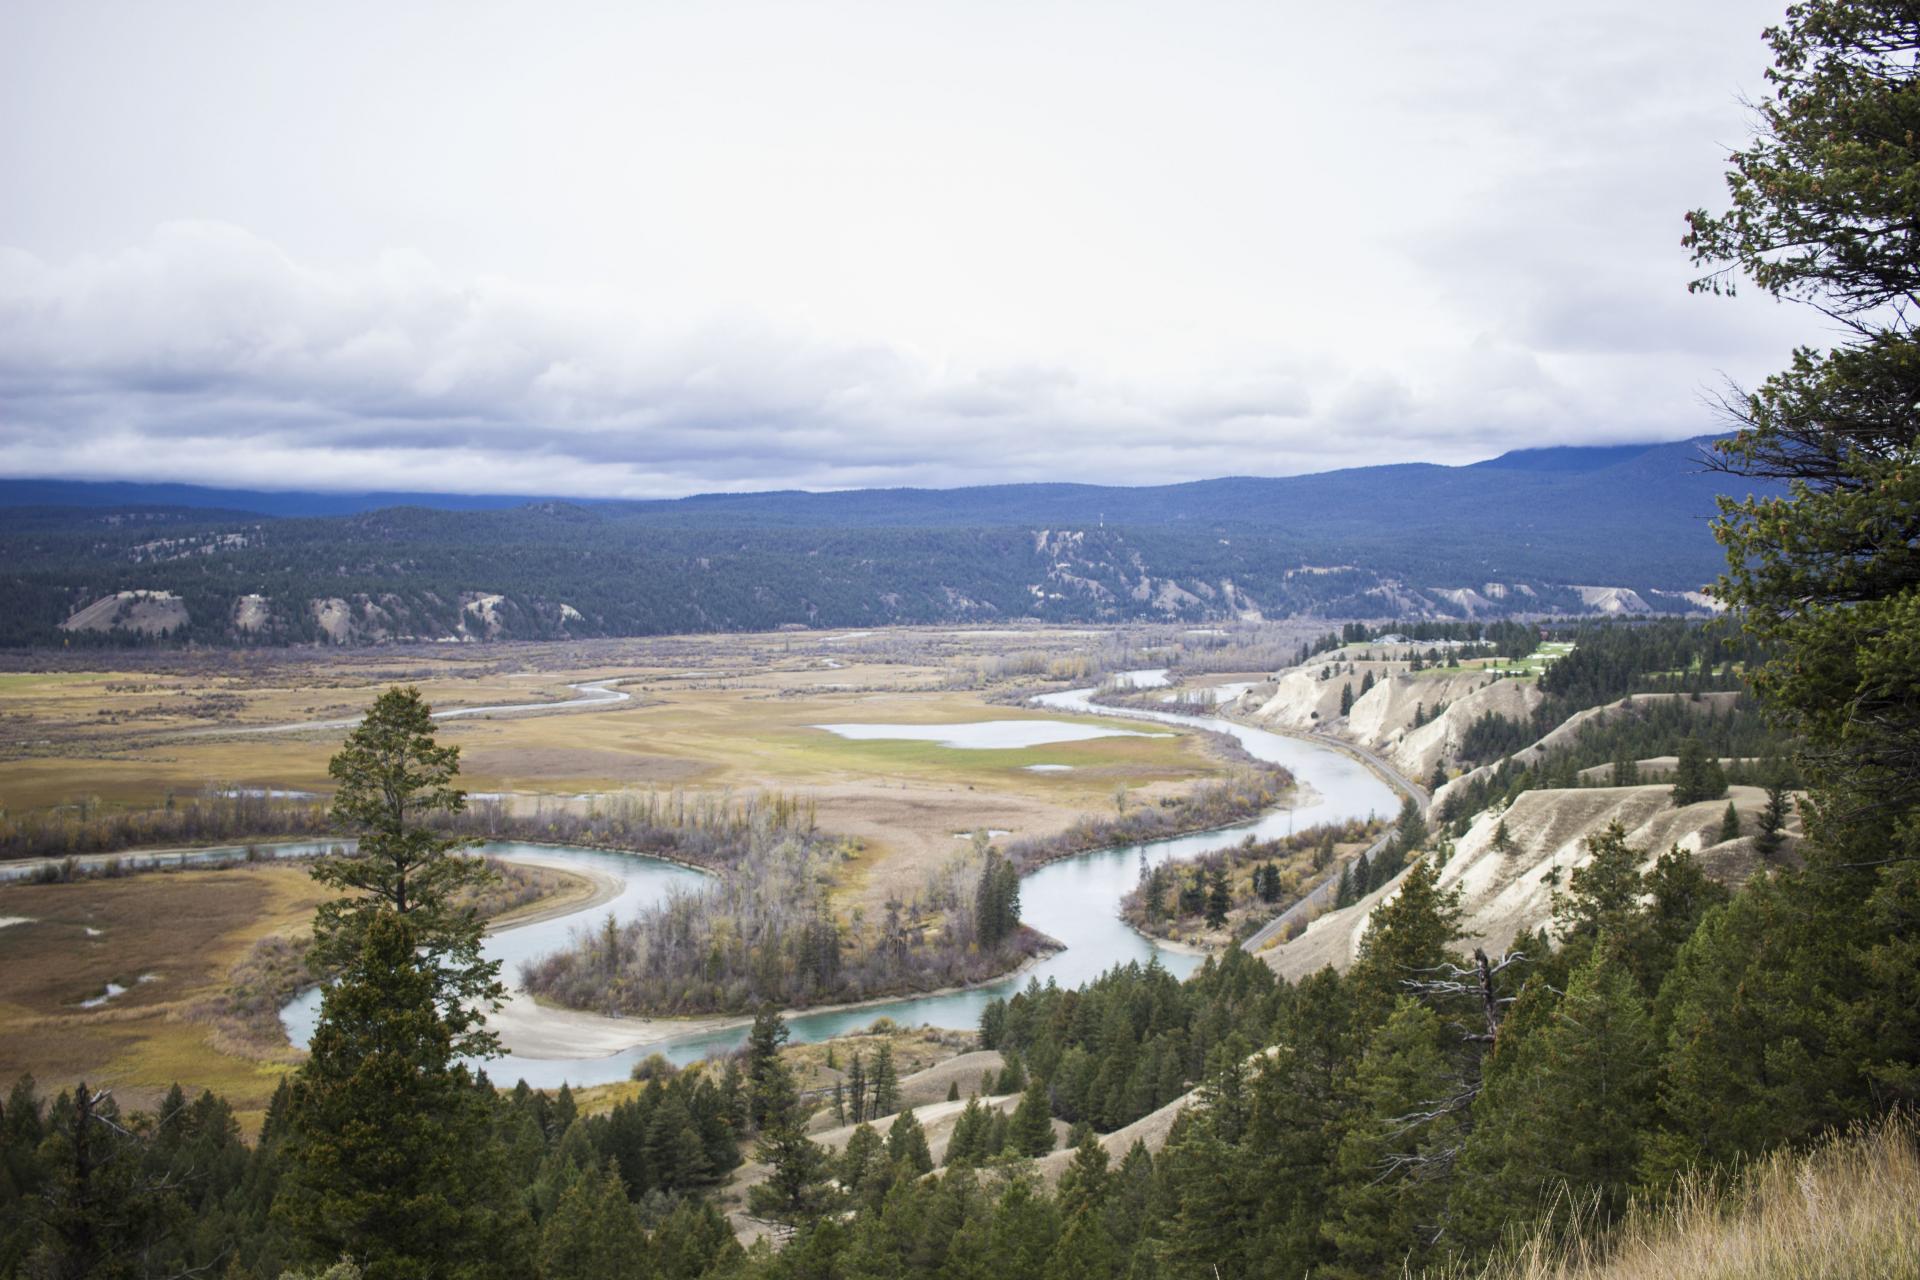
1846, 1209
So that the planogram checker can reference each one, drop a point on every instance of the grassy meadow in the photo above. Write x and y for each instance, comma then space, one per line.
713, 716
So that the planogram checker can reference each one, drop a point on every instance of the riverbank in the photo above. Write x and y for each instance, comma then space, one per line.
539, 1029
584, 890
1072, 899
1353, 750
1209, 807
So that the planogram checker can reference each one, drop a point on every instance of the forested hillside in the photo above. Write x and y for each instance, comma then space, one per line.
1524, 533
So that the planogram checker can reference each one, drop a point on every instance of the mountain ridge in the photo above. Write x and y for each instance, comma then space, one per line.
1613, 530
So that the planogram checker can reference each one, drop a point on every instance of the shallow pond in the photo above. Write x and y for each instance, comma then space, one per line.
985, 735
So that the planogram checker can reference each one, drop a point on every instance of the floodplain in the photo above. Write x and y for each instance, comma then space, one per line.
90, 732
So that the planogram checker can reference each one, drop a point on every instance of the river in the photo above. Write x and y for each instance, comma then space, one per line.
1075, 901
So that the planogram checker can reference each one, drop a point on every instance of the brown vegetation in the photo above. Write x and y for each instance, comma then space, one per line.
1247, 792
209, 818
182, 929
1293, 863
1844, 1209
764, 933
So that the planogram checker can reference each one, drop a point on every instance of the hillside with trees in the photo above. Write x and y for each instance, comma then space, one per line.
1503, 536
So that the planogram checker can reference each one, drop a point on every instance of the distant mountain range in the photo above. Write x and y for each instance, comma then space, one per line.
1620, 529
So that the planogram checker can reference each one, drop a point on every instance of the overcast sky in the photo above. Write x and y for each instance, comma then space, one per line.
654, 248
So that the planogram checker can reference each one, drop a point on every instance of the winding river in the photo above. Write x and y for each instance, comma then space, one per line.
1074, 900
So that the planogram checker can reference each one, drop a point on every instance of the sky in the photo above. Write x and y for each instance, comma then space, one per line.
651, 248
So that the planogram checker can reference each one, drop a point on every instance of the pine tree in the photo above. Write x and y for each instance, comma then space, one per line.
883, 1082
857, 1109
1626, 770
93, 1215
593, 1233
1822, 566
768, 1083
1410, 832
1023, 1233
798, 1186
1409, 935
1567, 1103
907, 1143
968, 1141
860, 1161
390, 1156
1679, 896
1219, 897
1773, 818
1156, 893
1267, 882
1031, 1130
392, 777
1385, 1205
1792, 1006
1083, 1186
1605, 892
996, 907
1013, 1074
1730, 824
1697, 776
1085, 1251
1346, 698
1766, 1042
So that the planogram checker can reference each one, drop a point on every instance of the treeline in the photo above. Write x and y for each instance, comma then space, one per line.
705, 829
1247, 882
1132, 1040
1728, 729
1248, 791
1496, 639
1374, 869
1416, 1111
212, 817
405, 572
1406, 1115
94, 1190
1612, 661
711, 830
765, 932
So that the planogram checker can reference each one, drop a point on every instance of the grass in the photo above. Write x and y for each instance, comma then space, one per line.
1142, 759
914, 1049
1848, 1209
115, 737
1527, 668
184, 928
190, 930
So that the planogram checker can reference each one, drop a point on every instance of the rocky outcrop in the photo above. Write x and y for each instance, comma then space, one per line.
1504, 893
147, 612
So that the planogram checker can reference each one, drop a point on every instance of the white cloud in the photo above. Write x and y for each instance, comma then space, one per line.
663, 249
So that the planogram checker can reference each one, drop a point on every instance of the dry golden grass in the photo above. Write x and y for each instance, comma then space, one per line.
1849, 1209
184, 929
189, 933
707, 714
